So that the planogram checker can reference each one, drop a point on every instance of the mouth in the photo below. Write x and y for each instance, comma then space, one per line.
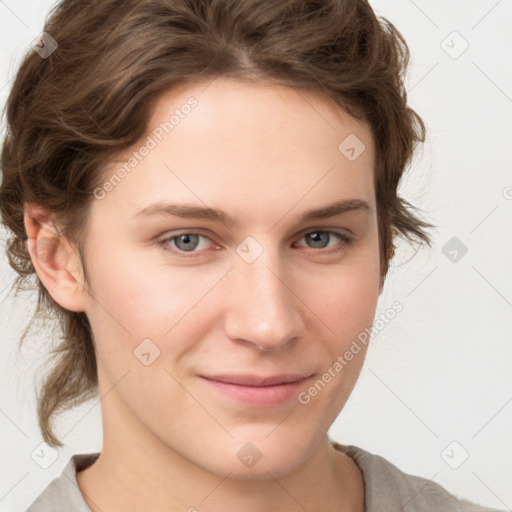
254, 390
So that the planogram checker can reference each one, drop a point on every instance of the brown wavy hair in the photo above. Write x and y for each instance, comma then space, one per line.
70, 113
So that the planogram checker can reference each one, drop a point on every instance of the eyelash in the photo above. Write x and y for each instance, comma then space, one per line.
345, 241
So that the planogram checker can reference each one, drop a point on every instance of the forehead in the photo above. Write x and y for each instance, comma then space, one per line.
250, 146
228, 104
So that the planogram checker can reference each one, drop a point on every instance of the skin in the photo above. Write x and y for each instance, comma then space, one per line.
264, 154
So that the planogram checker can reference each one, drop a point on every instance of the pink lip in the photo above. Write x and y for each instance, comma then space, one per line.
255, 390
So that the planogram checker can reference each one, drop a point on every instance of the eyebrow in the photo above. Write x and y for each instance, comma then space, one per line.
214, 214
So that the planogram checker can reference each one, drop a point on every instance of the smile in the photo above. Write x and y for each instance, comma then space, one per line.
255, 390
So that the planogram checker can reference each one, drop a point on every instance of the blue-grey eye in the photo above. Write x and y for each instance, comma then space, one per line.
319, 239
186, 242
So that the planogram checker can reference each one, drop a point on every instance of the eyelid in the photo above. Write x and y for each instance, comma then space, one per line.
345, 239
174, 234
328, 229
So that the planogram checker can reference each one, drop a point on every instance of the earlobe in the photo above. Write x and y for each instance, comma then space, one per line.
55, 260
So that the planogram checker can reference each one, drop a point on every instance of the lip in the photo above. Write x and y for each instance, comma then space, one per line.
262, 391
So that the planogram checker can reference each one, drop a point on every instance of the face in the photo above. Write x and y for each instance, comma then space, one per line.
215, 332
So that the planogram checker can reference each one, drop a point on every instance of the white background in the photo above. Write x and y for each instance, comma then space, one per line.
440, 371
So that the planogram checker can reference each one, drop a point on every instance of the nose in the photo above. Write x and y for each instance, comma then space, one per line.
264, 309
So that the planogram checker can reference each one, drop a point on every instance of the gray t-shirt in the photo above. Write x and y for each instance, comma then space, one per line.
387, 488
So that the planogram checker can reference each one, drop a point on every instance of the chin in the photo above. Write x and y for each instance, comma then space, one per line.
278, 466
261, 458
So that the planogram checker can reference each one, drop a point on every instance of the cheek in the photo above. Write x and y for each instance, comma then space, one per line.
149, 314
139, 299
345, 304
344, 299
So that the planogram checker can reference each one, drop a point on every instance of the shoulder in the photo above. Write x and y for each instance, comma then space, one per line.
63, 493
387, 488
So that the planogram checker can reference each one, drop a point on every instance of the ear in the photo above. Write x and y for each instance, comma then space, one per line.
56, 261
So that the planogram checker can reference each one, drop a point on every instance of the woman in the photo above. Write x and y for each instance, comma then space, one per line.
269, 138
